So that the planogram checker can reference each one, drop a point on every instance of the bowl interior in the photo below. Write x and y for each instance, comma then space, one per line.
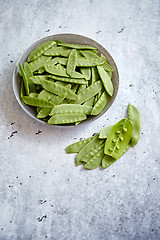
68, 38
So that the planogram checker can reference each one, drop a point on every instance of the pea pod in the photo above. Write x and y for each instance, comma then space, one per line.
66, 118
71, 63
58, 99
118, 138
25, 80
95, 161
89, 92
43, 112
87, 148
84, 62
95, 74
93, 152
76, 46
86, 71
40, 50
55, 51
100, 104
70, 109
107, 161
58, 90
39, 62
104, 132
38, 79
135, 118
29, 73
45, 95
68, 79
76, 147
106, 80
105, 65
36, 102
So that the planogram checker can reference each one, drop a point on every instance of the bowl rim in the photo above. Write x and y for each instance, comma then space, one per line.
56, 37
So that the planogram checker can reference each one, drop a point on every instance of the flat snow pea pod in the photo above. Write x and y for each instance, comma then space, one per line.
95, 161
37, 79
66, 118
68, 79
86, 71
106, 66
22, 92
51, 62
58, 99
106, 80
92, 153
107, 161
86, 62
54, 51
89, 102
25, 80
71, 109
104, 132
100, 104
77, 146
87, 148
89, 92
45, 95
94, 74
40, 50
62, 61
36, 102
76, 46
39, 62
89, 54
44, 112
81, 88
29, 73
71, 63
58, 90
60, 71
135, 118
35, 95
118, 138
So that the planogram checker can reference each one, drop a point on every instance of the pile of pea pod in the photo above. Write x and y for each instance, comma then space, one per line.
110, 144
66, 82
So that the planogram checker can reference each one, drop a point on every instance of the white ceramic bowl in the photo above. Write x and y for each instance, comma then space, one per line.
68, 38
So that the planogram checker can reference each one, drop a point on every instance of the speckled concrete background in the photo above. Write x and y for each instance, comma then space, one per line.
43, 195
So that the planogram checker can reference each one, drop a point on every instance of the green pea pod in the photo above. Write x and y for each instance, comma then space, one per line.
29, 73
39, 62
71, 63
76, 46
25, 80
44, 112
58, 90
81, 88
106, 66
38, 79
40, 50
58, 99
95, 74
68, 79
104, 132
45, 95
89, 92
55, 51
118, 138
95, 161
86, 71
135, 118
60, 71
84, 62
106, 80
35, 95
76, 147
107, 161
89, 102
71, 109
66, 118
87, 148
100, 104
37, 102
22, 92
92, 153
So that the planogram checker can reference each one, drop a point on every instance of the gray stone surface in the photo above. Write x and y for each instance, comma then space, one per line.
43, 195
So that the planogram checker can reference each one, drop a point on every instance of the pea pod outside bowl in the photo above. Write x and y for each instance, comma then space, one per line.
71, 39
